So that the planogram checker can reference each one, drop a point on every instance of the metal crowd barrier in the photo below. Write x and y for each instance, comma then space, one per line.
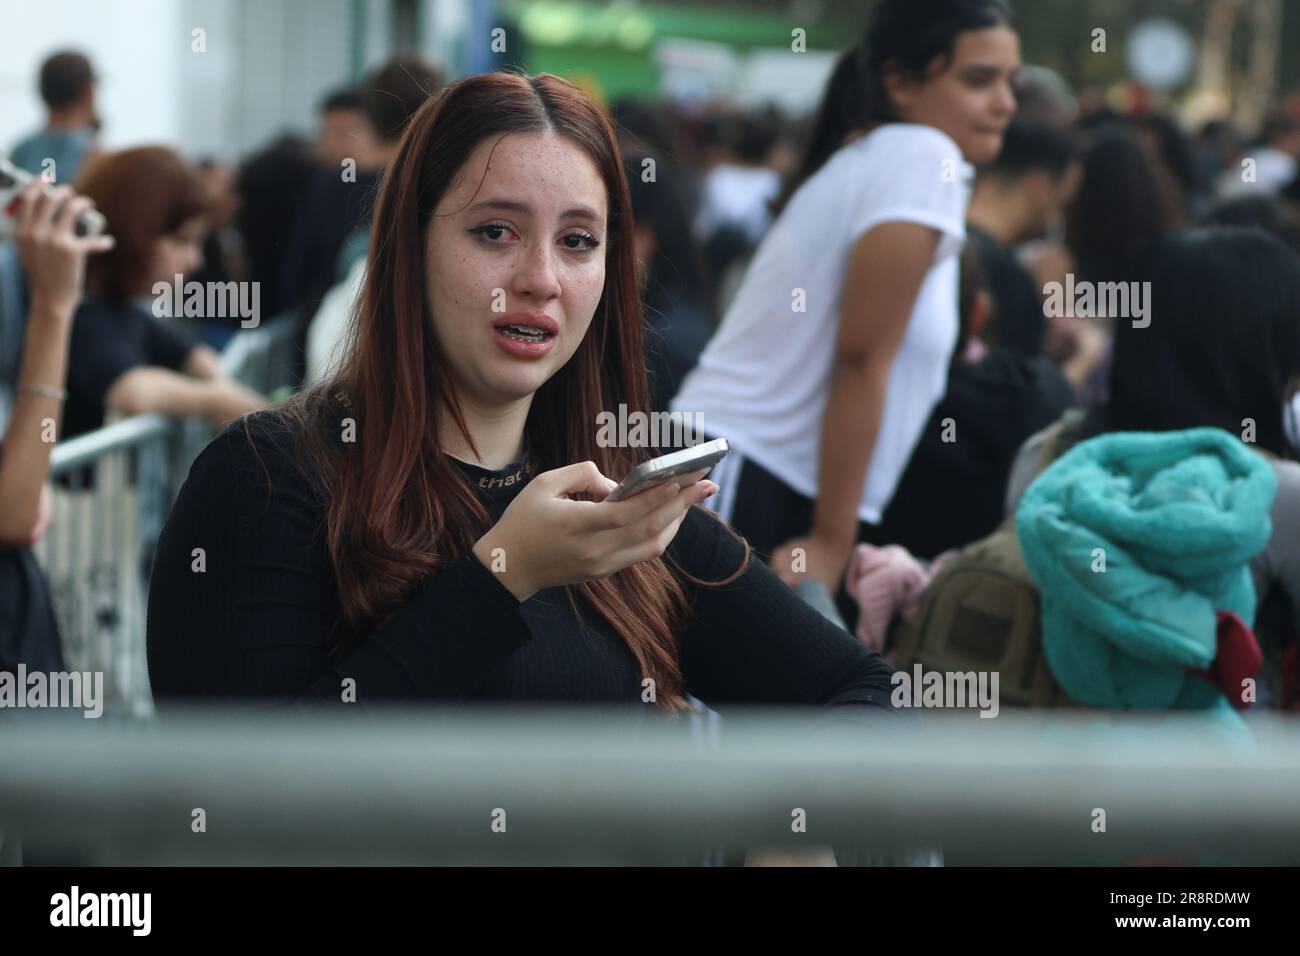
234, 786
113, 489
263, 358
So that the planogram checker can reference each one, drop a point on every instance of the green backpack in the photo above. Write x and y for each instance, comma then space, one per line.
981, 611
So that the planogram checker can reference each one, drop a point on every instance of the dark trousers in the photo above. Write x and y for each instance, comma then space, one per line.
768, 513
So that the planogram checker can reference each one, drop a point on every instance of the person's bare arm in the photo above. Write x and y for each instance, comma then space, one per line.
151, 388
202, 362
1089, 350
26, 460
886, 268
53, 258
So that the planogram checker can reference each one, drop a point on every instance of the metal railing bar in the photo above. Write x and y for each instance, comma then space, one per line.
422, 786
85, 449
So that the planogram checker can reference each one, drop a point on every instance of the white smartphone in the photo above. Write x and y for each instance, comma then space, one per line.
13, 180
656, 471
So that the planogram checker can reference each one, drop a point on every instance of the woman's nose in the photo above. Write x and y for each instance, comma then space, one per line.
535, 273
1007, 99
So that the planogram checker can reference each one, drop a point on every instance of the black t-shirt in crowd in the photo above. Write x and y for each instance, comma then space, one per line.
254, 623
109, 340
1017, 302
333, 209
29, 634
953, 489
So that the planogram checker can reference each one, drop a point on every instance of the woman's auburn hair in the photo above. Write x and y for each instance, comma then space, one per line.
145, 193
397, 508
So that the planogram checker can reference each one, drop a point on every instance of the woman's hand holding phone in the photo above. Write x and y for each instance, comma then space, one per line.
547, 539
51, 253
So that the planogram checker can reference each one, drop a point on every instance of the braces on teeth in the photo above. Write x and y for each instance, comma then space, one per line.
523, 334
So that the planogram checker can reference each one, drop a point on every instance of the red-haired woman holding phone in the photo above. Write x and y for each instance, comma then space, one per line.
429, 521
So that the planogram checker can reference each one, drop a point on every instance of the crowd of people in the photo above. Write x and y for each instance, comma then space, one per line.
861, 303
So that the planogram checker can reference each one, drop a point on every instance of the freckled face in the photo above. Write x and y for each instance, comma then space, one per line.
520, 233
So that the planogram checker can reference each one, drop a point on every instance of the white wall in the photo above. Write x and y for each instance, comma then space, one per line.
284, 56
136, 48
266, 66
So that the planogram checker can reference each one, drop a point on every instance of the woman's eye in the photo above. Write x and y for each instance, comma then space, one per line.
581, 241
492, 231
495, 232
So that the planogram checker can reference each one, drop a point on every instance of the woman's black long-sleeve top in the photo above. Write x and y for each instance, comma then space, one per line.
253, 621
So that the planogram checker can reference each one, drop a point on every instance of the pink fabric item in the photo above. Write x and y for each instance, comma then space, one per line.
975, 350
884, 581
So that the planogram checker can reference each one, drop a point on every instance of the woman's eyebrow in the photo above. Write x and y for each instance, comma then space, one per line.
512, 205
981, 70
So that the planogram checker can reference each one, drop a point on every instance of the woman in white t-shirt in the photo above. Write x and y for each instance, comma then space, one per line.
837, 345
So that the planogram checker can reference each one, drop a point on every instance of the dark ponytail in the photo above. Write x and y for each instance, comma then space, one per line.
901, 34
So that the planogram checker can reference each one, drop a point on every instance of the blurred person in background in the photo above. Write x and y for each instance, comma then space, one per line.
1021, 196
1275, 156
1121, 207
1277, 218
332, 232
1290, 195
786, 155
122, 357
649, 128
67, 85
53, 259
346, 131
837, 345
328, 254
953, 489
223, 254
1174, 155
1271, 215
1044, 95
654, 130
737, 195
1045, 102
1218, 145
678, 304
271, 187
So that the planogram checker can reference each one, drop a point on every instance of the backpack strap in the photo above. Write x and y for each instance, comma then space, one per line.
1061, 437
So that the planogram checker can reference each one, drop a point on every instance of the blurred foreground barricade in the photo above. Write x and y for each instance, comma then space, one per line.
113, 489
479, 786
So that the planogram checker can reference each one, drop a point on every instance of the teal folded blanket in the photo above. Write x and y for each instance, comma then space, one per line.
1174, 519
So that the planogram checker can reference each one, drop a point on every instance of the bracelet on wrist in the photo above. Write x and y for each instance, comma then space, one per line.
65, 310
45, 391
